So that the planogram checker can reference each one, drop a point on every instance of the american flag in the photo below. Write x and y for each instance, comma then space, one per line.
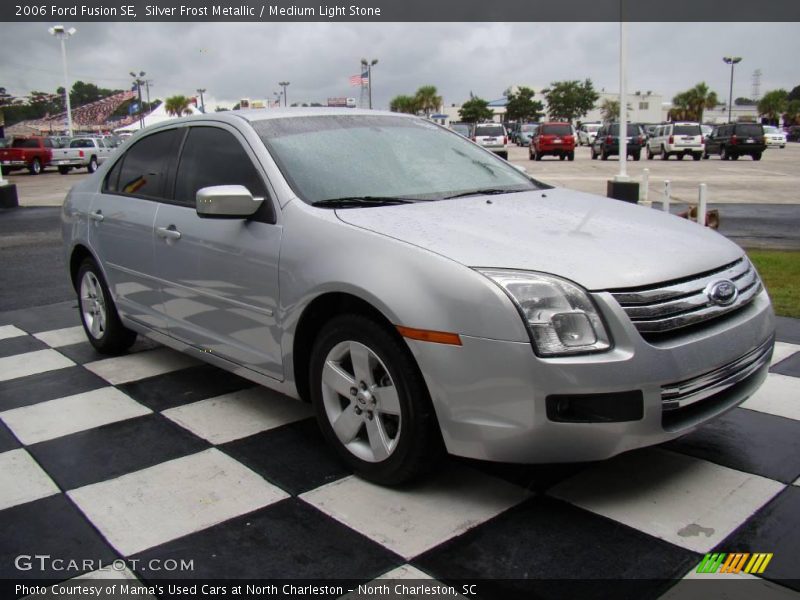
356, 80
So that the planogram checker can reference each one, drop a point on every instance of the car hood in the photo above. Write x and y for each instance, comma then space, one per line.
594, 241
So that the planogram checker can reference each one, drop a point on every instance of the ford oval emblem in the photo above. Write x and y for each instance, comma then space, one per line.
722, 292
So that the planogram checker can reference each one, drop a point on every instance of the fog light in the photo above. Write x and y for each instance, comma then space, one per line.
574, 329
615, 407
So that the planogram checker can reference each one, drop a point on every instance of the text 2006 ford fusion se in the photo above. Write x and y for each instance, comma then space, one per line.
423, 294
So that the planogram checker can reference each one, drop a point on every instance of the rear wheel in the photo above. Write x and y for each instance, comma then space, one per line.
705, 155
594, 154
92, 166
664, 153
63, 170
35, 167
649, 153
604, 155
571, 155
723, 154
371, 401
99, 316
680, 156
757, 156
562, 156
637, 155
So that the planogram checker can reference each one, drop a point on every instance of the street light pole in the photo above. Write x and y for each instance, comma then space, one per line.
202, 91
368, 66
623, 102
137, 79
731, 60
284, 85
64, 34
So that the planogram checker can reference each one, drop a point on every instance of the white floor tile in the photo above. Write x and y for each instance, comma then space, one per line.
9, 331
62, 337
411, 521
62, 416
689, 502
780, 395
22, 479
783, 350
31, 363
131, 367
239, 414
152, 506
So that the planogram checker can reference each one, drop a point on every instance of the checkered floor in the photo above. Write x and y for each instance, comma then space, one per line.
152, 455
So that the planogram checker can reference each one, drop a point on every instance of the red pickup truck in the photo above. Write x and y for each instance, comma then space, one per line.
32, 153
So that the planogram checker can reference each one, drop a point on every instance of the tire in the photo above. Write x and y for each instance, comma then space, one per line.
530, 154
664, 153
723, 154
92, 166
705, 156
388, 437
604, 155
697, 156
562, 157
537, 155
734, 157
63, 170
571, 155
680, 156
98, 314
649, 153
35, 167
594, 154
637, 155
757, 156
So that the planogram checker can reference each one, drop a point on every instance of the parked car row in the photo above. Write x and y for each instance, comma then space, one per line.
36, 153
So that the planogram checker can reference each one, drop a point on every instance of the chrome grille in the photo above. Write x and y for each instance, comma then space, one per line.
683, 303
684, 393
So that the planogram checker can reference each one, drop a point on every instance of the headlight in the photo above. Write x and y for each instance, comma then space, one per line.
560, 316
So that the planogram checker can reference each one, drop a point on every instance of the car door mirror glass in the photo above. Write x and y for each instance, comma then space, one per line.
226, 201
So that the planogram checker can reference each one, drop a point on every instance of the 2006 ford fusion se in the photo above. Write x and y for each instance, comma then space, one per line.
423, 294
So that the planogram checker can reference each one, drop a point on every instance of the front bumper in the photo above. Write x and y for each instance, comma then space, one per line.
490, 396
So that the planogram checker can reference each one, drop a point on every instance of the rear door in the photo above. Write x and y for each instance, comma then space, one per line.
688, 136
121, 221
220, 276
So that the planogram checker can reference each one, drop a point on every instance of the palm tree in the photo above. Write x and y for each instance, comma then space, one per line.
404, 104
610, 110
691, 104
427, 100
177, 106
773, 104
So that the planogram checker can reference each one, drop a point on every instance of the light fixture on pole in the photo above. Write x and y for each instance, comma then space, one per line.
63, 35
202, 91
284, 85
277, 98
137, 79
368, 66
732, 61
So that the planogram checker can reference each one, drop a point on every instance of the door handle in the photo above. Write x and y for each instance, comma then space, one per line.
168, 233
97, 216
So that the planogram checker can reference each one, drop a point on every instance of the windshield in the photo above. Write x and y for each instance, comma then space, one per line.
556, 129
771, 129
591, 128
613, 129
355, 156
530, 127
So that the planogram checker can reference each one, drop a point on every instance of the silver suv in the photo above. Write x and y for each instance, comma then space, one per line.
423, 294
676, 139
492, 136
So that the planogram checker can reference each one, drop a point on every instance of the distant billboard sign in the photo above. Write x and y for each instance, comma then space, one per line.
342, 102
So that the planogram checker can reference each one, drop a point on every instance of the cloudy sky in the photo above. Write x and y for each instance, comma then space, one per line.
234, 61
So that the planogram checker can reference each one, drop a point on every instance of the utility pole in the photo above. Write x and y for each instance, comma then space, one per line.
368, 66
202, 91
732, 61
137, 79
284, 85
63, 35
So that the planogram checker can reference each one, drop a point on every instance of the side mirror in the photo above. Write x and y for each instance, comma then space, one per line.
226, 202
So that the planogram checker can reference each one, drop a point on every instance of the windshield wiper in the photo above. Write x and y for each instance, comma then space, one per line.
351, 201
481, 192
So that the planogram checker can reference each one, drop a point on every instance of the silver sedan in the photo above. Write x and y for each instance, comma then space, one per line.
423, 294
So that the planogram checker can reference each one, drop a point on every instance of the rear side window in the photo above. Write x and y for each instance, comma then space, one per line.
556, 130
81, 144
145, 166
213, 156
25, 143
687, 130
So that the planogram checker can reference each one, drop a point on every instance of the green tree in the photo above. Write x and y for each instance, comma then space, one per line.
795, 93
404, 104
522, 107
427, 100
792, 114
773, 104
570, 100
220, 109
690, 104
610, 110
474, 110
178, 106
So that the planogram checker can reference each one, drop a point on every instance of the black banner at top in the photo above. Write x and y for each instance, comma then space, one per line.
400, 10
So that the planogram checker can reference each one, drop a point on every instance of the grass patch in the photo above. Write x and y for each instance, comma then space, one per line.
780, 271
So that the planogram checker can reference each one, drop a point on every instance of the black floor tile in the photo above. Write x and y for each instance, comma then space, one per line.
183, 387
747, 440
788, 366
536, 478
287, 540
43, 318
294, 457
33, 389
775, 528
7, 439
112, 450
20, 345
546, 548
84, 352
787, 330
51, 526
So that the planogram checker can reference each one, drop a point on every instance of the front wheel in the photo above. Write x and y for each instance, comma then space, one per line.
92, 166
697, 156
99, 316
637, 155
371, 401
604, 155
36, 167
